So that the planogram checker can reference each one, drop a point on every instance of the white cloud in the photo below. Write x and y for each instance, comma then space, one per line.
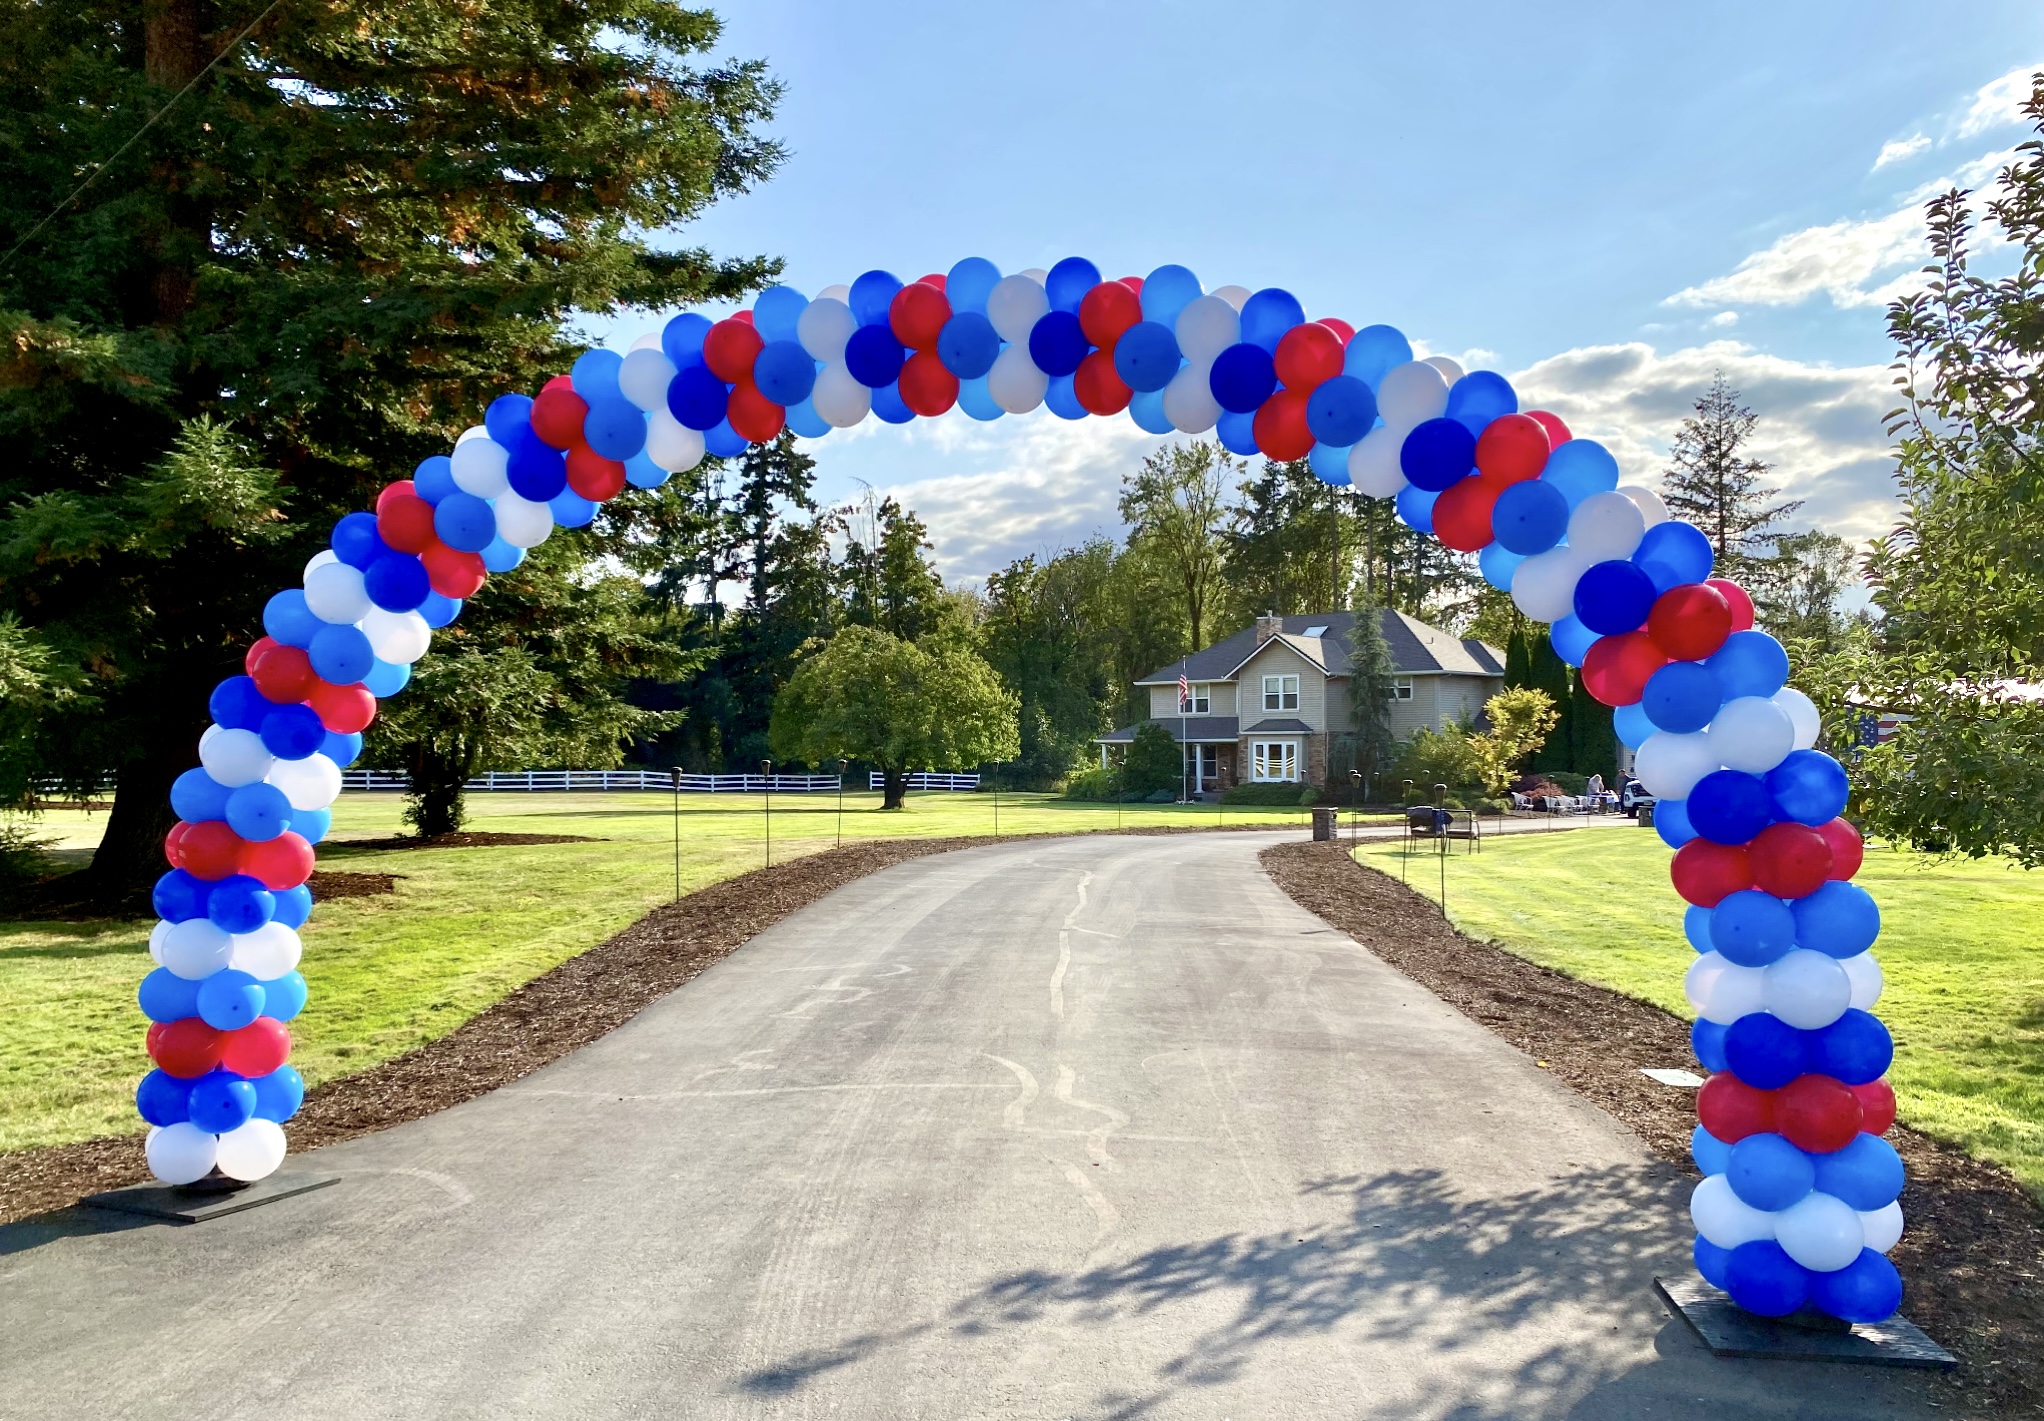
1998, 102
1895, 150
1839, 259
1723, 319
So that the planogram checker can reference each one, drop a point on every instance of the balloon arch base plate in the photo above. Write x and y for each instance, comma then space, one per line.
210, 1198
1730, 1331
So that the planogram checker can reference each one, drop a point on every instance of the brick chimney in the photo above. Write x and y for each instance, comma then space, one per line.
1268, 626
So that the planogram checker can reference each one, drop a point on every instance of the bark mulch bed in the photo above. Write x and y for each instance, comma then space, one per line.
327, 883
1974, 1251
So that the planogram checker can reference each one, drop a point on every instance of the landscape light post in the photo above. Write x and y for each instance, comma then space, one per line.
766, 783
842, 766
1441, 832
1355, 806
997, 801
677, 833
1405, 808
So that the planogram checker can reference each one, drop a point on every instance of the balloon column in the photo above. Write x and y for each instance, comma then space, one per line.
1798, 1206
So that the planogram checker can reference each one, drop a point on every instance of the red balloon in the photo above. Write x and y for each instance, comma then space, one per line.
396, 488
1817, 1113
1704, 872
1690, 622
559, 382
916, 315
1462, 512
209, 849
1512, 449
1340, 327
453, 574
255, 652
1557, 432
1877, 1106
256, 1049
1133, 283
170, 843
1616, 668
1789, 860
729, 348
186, 1048
284, 674
280, 863
926, 386
744, 318
1106, 311
1097, 387
1735, 596
1848, 850
935, 278
558, 413
154, 1038
1731, 1110
1307, 357
406, 523
754, 418
593, 476
343, 709
1280, 427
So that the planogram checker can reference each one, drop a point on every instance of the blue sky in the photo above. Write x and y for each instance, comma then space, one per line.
1603, 201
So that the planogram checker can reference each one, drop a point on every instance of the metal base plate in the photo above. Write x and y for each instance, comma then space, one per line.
1730, 1331
210, 1198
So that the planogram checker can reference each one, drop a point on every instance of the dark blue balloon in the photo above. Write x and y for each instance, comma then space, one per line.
356, 542
397, 582
292, 732
221, 1101
968, 345
1711, 1261
342, 655
874, 357
1340, 411
440, 611
1868, 1289
1242, 377
1710, 1153
1671, 822
1707, 1040
258, 812
163, 1099
698, 399
165, 996
342, 747
1614, 597
178, 896
433, 480
889, 406
1268, 314
1730, 806
1057, 343
536, 470
1529, 517
294, 905
1438, 454
288, 620
784, 371
681, 339
1763, 1279
1682, 696
1146, 357
1480, 397
1374, 352
1764, 1051
240, 904
197, 796
464, 522
1237, 432
506, 415
1067, 283
236, 704
284, 997
279, 1094
1856, 1048
723, 442
311, 825
1840, 919
1867, 1173
1752, 928
616, 428
871, 296
230, 1000
1673, 554
1768, 1172
1809, 787
1750, 663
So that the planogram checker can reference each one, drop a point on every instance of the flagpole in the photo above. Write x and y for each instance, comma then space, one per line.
1184, 700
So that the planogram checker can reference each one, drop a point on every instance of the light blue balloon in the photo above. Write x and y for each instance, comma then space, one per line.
501, 556
594, 374
1061, 400
1374, 352
1167, 291
1671, 822
642, 472
1572, 640
802, 418
1497, 563
1696, 927
1416, 508
976, 402
387, 678
776, 311
1146, 408
968, 284
1237, 432
1632, 725
1580, 468
570, 509
1330, 463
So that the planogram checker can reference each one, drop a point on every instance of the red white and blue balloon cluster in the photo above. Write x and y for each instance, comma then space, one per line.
1798, 1204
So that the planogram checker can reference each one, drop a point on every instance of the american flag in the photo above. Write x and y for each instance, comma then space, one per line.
1184, 691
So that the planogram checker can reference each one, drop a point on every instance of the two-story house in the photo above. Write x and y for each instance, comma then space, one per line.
1262, 704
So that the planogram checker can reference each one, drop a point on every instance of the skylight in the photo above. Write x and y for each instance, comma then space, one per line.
1316, 631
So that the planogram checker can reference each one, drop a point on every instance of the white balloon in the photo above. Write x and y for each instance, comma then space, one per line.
181, 1153
1015, 383
521, 522
1802, 714
482, 467
1724, 1218
1807, 989
194, 949
1606, 526
1015, 305
474, 431
838, 292
824, 326
1669, 765
1866, 977
1751, 734
1723, 991
1411, 394
267, 953
1648, 502
235, 757
838, 398
251, 1152
644, 376
670, 443
1189, 401
321, 559
1881, 1228
156, 937
398, 637
1544, 586
1236, 296
335, 594
1373, 466
311, 783
1207, 326
649, 341
1820, 1231
1451, 369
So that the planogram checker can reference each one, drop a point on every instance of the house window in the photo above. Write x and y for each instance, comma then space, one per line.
1401, 688
1202, 766
1272, 761
1281, 693
1199, 700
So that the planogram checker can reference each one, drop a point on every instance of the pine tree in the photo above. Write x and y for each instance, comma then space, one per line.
1370, 675
1714, 484
1593, 739
1548, 672
1518, 660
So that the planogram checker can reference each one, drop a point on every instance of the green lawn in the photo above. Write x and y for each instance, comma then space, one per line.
1962, 946
465, 927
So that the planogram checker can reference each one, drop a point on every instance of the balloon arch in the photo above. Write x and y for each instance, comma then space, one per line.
1798, 1203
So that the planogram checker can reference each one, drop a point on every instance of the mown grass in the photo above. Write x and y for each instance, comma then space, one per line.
1962, 946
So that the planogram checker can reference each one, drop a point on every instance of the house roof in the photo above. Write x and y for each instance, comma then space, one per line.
1290, 723
1416, 649
1194, 728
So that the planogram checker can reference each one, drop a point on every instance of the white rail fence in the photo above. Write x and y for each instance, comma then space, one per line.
542, 781
925, 779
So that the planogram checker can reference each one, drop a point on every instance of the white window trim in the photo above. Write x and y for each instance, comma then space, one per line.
1199, 700
1281, 755
1281, 693
1401, 688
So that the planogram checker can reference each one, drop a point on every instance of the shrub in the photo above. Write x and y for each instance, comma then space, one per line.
1570, 782
1093, 784
1162, 796
24, 854
1154, 762
1434, 757
1287, 794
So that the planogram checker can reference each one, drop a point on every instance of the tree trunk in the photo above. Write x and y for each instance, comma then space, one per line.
174, 51
129, 858
893, 787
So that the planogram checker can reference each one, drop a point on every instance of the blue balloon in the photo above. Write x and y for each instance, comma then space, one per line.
356, 542
288, 620
343, 747
871, 296
1840, 920
1673, 554
802, 418
1710, 1153
1682, 696
784, 371
1237, 432
310, 825
240, 904
1671, 821
387, 678
1856, 1049
279, 1094
1614, 597
976, 400
1329, 464
1242, 377
1057, 343
968, 345
968, 284
196, 796
699, 400
1730, 806
1061, 399
888, 404
1633, 727
594, 374
441, 611
1480, 397
1374, 352
1146, 408
258, 812
616, 428
294, 905
293, 732
221, 1101
1768, 1172
163, 1099
1763, 1279
1580, 468
1712, 1262
725, 443
165, 996
1438, 454
433, 480
1147, 357
681, 340
537, 471
341, 655
1867, 1173
1750, 663
1268, 314
1750, 927
1066, 284
236, 704
642, 472
1696, 924
506, 415
1497, 563
1707, 1040
1809, 787
464, 522
1530, 517
178, 896
498, 556
397, 582
1167, 291
1415, 506
774, 316
284, 997
1340, 411
1868, 1289
230, 1000
1764, 1051
1569, 637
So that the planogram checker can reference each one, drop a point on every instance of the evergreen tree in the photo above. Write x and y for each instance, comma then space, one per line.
1518, 660
1374, 747
1715, 484
1593, 738
893, 586
1037, 635
1548, 673
1284, 545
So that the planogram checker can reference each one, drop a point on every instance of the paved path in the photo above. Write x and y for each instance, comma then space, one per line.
1056, 1129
